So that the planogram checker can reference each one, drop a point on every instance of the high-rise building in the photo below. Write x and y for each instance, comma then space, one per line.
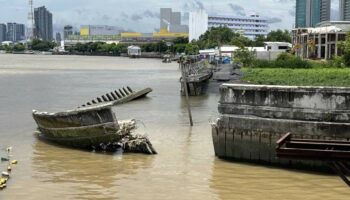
43, 24
198, 24
20, 32
3, 31
67, 31
171, 21
58, 37
15, 32
344, 10
311, 12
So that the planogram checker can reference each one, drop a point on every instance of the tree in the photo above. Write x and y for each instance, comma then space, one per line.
279, 36
244, 56
345, 47
19, 47
259, 41
191, 49
40, 45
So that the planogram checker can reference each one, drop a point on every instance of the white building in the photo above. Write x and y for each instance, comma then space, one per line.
134, 51
277, 46
198, 24
249, 26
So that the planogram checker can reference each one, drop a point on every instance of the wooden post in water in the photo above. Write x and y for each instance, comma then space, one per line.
184, 79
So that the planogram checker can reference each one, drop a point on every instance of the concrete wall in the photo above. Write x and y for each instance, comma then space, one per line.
268, 55
254, 117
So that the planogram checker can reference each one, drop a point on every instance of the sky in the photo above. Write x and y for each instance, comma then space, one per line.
143, 15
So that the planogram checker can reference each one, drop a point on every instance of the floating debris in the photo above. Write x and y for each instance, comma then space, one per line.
5, 175
3, 186
132, 143
137, 144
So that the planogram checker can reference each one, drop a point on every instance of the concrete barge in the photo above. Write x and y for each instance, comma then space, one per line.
253, 117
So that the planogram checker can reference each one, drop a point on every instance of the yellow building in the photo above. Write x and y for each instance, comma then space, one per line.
164, 33
130, 34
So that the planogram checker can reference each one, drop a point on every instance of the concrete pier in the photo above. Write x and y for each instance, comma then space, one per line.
197, 76
253, 117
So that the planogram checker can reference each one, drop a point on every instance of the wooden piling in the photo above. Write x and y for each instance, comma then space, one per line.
184, 78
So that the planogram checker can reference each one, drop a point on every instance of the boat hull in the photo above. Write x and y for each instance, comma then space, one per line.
81, 128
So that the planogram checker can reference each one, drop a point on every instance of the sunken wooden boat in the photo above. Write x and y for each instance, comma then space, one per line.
119, 96
85, 127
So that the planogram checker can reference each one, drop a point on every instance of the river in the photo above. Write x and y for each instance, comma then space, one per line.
185, 168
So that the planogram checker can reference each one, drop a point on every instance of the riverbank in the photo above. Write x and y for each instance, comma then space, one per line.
298, 77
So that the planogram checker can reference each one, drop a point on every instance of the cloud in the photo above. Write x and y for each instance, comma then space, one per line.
237, 9
199, 4
106, 17
124, 15
150, 14
136, 17
274, 20
193, 5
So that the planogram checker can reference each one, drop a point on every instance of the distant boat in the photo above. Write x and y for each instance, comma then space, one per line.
80, 128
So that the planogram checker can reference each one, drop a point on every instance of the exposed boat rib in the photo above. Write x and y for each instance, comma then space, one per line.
119, 96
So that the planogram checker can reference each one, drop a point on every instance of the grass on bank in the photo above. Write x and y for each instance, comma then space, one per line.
298, 77
288, 69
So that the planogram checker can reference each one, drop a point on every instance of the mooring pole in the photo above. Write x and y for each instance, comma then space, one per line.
184, 79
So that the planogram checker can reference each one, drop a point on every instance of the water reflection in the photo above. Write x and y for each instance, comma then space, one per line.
90, 173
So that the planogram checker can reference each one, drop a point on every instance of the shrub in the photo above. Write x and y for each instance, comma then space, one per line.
283, 61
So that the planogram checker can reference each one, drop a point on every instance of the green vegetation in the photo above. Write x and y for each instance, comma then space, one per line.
98, 48
13, 48
219, 36
40, 45
288, 69
298, 77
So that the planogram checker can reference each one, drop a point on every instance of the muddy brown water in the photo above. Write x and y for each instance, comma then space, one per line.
185, 168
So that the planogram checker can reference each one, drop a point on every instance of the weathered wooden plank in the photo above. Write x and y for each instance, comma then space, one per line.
215, 135
222, 142
229, 143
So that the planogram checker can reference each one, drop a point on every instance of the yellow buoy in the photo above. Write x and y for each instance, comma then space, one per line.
3, 181
14, 162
